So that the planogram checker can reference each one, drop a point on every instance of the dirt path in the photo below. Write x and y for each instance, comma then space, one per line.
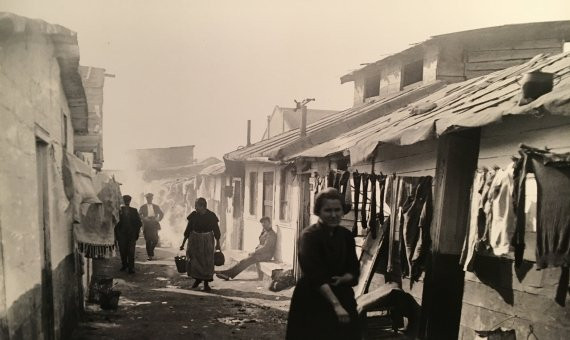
158, 303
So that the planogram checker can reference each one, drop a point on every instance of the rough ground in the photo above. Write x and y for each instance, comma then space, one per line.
158, 303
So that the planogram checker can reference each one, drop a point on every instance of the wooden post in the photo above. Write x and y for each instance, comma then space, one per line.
457, 156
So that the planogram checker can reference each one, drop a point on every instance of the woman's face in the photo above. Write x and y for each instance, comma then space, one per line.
331, 212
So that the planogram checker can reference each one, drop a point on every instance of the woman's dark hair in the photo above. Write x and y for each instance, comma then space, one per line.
329, 194
201, 202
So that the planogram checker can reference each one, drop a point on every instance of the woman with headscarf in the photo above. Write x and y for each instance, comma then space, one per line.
201, 232
323, 304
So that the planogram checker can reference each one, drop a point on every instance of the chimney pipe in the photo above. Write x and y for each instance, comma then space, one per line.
268, 126
248, 132
303, 106
303, 120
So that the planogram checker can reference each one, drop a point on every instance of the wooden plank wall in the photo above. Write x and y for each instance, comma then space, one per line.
498, 294
481, 60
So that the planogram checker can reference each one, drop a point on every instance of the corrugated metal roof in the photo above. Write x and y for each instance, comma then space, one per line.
328, 127
473, 103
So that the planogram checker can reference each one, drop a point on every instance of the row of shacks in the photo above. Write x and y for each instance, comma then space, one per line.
433, 115
57, 210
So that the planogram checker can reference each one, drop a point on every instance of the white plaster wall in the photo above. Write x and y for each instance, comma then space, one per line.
32, 100
430, 64
286, 230
390, 79
31, 94
359, 90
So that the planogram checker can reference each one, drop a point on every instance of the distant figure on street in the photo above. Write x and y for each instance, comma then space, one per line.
323, 304
127, 232
151, 216
201, 232
263, 252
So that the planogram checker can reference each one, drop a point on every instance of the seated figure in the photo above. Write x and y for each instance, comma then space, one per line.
263, 252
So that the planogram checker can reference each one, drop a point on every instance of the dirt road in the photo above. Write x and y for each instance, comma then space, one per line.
158, 303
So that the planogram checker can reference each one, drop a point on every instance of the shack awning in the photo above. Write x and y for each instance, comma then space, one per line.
473, 103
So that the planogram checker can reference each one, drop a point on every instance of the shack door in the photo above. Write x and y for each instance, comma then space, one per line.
268, 194
45, 245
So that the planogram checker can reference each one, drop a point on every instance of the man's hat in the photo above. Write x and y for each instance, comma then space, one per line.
127, 197
149, 195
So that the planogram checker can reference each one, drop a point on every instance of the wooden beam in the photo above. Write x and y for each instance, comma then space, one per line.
457, 156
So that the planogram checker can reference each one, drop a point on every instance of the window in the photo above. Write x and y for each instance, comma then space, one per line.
253, 193
412, 73
284, 196
372, 86
268, 194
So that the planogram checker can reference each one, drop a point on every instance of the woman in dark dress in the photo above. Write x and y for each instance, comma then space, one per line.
323, 304
201, 232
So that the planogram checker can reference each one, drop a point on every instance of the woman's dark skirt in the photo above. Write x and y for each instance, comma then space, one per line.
311, 316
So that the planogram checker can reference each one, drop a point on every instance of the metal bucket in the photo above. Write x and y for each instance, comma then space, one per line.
180, 263
109, 300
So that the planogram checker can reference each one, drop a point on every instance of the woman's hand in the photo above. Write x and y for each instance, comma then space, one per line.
182, 247
341, 314
342, 280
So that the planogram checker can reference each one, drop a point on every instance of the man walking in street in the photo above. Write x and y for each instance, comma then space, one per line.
127, 232
151, 216
263, 252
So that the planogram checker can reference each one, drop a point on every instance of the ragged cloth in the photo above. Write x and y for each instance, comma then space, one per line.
95, 217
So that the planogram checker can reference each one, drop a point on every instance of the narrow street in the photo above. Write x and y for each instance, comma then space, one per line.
158, 303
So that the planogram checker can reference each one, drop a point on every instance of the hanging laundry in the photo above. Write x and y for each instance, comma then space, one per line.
318, 183
363, 221
403, 189
356, 178
417, 216
95, 233
552, 172
344, 183
330, 179
373, 223
337, 178
502, 224
476, 221
348, 195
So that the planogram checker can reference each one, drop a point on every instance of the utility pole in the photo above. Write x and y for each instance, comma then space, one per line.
302, 105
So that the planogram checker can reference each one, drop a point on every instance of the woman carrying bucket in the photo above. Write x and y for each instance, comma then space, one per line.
201, 232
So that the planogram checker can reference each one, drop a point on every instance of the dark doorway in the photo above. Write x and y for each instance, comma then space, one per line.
237, 202
268, 195
42, 158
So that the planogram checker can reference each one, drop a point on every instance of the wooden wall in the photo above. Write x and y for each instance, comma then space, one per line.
481, 60
500, 293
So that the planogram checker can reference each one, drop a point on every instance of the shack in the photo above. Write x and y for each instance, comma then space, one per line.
448, 135
44, 106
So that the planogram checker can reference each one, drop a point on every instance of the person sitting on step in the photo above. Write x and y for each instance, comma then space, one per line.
263, 252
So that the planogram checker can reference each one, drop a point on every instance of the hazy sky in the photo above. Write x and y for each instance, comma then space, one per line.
193, 72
